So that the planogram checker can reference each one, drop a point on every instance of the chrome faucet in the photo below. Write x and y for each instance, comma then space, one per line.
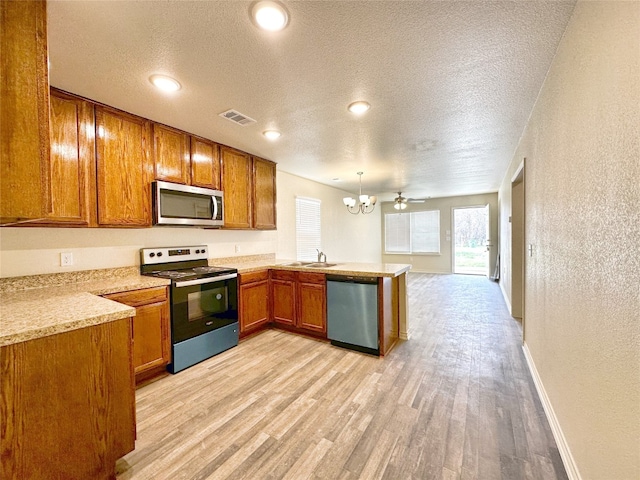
322, 258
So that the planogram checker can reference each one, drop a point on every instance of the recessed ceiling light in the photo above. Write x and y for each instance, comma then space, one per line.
165, 83
270, 15
359, 107
335, 179
271, 134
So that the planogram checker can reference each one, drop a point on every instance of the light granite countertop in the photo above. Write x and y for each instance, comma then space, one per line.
340, 268
41, 305
28, 313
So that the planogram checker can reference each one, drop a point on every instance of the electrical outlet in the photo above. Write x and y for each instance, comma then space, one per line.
66, 259
237, 248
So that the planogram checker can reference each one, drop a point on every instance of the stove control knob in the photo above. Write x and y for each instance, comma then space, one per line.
159, 254
152, 254
203, 251
197, 251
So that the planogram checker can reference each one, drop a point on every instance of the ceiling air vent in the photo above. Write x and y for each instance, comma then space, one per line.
237, 117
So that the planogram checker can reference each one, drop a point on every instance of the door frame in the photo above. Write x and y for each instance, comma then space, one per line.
518, 264
453, 235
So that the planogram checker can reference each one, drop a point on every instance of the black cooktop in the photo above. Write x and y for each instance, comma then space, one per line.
193, 272
180, 263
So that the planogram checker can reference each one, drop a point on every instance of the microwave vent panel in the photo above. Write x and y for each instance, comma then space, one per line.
237, 117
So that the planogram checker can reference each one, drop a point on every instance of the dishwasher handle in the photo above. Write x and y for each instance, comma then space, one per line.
352, 279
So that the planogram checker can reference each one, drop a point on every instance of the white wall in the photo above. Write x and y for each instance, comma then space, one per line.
582, 201
345, 237
443, 263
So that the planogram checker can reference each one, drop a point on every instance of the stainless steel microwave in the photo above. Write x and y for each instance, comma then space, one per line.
184, 205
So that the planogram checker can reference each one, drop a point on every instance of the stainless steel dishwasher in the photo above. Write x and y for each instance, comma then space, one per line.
352, 312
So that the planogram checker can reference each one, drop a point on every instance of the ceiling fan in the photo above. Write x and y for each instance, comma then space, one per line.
400, 202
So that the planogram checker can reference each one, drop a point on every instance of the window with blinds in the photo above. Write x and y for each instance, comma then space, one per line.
307, 228
425, 231
415, 232
396, 233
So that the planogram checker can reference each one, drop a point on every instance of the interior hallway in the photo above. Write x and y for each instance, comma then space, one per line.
455, 401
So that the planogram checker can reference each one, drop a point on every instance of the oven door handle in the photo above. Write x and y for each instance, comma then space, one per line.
200, 281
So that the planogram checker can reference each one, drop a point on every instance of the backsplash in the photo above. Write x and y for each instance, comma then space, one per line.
35, 251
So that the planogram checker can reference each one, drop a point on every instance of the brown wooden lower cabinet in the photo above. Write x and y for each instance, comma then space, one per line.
253, 299
283, 297
67, 404
151, 330
299, 300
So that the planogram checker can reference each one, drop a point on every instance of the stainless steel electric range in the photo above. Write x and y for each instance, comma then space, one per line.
204, 302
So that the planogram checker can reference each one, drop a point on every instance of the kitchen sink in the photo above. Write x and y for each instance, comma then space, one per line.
321, 265
296, 264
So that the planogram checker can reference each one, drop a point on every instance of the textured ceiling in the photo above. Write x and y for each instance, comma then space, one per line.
451, 83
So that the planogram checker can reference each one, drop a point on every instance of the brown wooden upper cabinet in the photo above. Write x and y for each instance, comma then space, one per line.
237, 185
124, 168
186, 159
264, 194
205, 163
72, 161
24, 112
172, 156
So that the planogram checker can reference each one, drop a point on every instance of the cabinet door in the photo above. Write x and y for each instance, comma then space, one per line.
172, 155
124, 168
72, 160
205, 163
264, 194
312, 307
151, 337
254, 305
151, 328
237, 173
283, 301
24, 113
68, 404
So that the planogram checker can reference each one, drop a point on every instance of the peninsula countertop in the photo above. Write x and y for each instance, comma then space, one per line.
339, 268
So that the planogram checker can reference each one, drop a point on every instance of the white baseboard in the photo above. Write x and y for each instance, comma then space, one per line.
506, 297
567, 459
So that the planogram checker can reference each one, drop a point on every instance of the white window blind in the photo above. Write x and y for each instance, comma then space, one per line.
307, 228
396, 233
415, 232
425, 231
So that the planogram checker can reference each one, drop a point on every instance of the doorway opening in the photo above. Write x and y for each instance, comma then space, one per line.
471, 240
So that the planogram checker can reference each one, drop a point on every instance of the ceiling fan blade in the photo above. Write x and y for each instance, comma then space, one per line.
416, 200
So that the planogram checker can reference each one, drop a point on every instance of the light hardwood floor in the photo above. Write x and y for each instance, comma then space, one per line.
456, 401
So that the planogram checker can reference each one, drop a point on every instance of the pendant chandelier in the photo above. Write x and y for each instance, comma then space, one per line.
365, 203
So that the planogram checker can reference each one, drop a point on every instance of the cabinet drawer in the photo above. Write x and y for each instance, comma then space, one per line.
306, 277
254, 276
135, 298
283, 275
